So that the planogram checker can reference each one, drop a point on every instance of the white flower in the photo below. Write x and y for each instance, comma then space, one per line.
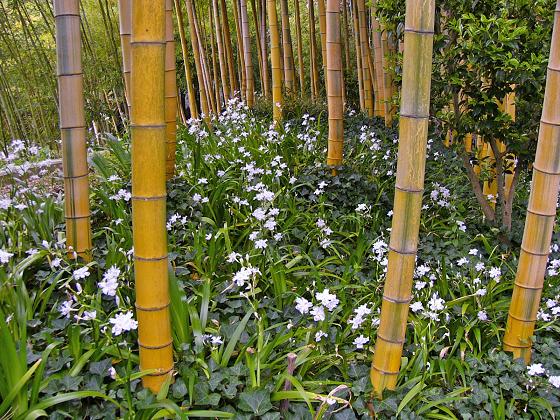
462, 226
259, 214
81, 273
535, 369
202, 181
416, 306
5, 203
303, 305
360, 341
321, 223
462, 261
480, 292
319, 335
270, 224
362, 208
260, 244
5, 256
56, 262
318, 313
123, 322
244, 274
32, 251
66, 308
327, 299
112, 372
479, 266
110, 284
216, 340
554, 381
495, 273
436, 303
196, 197
473, 251
233, 257
482, 316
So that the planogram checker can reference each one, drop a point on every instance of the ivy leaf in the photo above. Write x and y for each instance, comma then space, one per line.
346, 414
256, 402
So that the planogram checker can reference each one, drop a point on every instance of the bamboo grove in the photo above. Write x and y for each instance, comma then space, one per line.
246, 48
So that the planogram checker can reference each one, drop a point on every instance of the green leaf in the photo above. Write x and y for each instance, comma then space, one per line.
256, 402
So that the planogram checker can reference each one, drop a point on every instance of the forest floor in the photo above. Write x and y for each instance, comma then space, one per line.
271, 255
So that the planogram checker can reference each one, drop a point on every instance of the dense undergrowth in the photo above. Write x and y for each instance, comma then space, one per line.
271, 259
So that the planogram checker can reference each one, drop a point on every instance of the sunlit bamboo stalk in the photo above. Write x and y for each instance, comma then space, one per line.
72, 128
149, 191
378, 66
125, 32
364, 53
289, 73
240, 50
359, 68
314, 73
323, 32
299, 49
170, 92
250, 95
413, 132
275, 60
228, 48
541, 214
334, 85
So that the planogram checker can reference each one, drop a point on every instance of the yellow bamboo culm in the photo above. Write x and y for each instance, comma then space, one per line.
323, 33
149, 191
125, 32
299, 50
170, 92
364, 53
541, 214
334, 85
72, 128
250, 93
413, 132
275, 60
379, 78
387, 78
289, 72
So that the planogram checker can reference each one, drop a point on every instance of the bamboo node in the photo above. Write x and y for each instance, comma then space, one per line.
136, 257
401, 342
395, 300
159, 347
416, 117
523, 286
526, 321
402, 252
383, 371
419, 31
151, 309
534, 253
536, 168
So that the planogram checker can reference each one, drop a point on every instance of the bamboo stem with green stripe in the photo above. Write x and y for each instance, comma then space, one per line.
334, 85
289, 72
541, 214
413, 132
125, 32
249, 76
148, 130
73, 128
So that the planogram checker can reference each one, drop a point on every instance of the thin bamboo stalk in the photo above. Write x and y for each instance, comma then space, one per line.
387, 78
264, 47
204, 105
260, 56
215, 73
149, 191
346, 45
229, 53
73, 128
275, 60
541, 214
413, 132
364, 47
125, 31
188, 74
334, 85
170, 92
289, 73
240, 50
379, 79
323, 32
357, 44
313, 52
299, 49
221, 51
250, 95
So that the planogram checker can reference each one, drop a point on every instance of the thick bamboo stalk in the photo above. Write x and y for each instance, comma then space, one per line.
541, 214
334, 85
364, 53
250, 95
148, 190
299, 49
204, 103
357, 44
73, 128
187, 67
228, 48
125, 31
413, 132
289, 73
275, 60
170, 92
313, 51
221, 51
240, 50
